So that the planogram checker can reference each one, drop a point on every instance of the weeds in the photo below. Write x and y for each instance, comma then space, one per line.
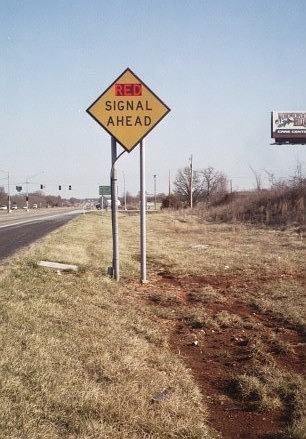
205, 295
225, 319
252, 392
198, 319
78, 358
163, 298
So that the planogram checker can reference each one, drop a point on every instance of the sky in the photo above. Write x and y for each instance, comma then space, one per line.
221, 66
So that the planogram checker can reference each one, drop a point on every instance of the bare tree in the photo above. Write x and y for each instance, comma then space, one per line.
257, 176
182, 185
3, 195
271, 177
213, 182
206, 184
297, 179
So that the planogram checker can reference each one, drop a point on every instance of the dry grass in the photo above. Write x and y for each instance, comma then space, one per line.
205, 295
81, 359
252, 392
264, 268
278, 206
78, 360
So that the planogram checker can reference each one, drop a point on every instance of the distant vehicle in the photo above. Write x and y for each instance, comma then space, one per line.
109, 203
25, 207
14, 207
34, 206
3, 207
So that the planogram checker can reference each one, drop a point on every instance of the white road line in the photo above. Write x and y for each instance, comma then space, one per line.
40, 219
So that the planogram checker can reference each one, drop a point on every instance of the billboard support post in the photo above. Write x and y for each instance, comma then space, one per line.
143, 231
115, 264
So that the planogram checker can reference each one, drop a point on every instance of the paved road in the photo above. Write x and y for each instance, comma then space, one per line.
19, 231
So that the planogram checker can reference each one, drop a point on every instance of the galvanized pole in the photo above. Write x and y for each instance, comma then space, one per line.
27, 194
8, 193
143, 232
124, 190
154, 177
191, 183
116, 274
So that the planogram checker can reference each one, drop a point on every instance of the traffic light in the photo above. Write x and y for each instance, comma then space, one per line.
70, 187
41, 186
60, 188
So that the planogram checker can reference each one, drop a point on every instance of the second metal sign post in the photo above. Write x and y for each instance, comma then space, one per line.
114, 207
143, 205
128, 110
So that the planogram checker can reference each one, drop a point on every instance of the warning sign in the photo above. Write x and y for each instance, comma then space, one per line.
128, 110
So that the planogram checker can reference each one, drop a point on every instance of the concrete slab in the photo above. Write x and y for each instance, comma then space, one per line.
58, 266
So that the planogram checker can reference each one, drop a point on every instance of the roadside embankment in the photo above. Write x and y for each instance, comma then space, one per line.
78, 358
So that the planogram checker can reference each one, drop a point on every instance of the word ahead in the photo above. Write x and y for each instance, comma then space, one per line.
128, 110
131, 120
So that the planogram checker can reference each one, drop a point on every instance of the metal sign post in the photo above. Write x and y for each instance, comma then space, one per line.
128, 110
143, 229
114, 206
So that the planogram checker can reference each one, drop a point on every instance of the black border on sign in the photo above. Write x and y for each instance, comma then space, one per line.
105, 91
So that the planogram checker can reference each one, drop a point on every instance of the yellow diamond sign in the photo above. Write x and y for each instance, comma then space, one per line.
128, 110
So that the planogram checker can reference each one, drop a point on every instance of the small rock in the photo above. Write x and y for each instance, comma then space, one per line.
195, 343
161, 396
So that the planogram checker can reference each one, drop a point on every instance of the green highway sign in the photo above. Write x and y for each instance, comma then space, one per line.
104, 190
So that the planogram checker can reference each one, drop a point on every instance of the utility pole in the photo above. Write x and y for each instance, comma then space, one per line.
8, 190
28, 180
8, 193
169, 184
124, 191
154, 177
191, 183
27, 194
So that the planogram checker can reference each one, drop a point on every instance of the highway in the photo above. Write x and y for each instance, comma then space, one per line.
18, 230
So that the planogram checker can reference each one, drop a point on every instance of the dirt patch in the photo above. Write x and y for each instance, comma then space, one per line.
220, 337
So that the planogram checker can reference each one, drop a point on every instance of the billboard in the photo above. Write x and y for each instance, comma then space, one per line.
288, 127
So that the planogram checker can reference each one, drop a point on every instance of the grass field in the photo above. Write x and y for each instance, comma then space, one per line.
215, 342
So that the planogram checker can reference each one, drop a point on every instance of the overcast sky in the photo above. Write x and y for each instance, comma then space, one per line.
220, 65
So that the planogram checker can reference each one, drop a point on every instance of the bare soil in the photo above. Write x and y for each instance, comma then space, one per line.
215, 354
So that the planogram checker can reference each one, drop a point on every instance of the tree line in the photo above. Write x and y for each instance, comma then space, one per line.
38, 198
